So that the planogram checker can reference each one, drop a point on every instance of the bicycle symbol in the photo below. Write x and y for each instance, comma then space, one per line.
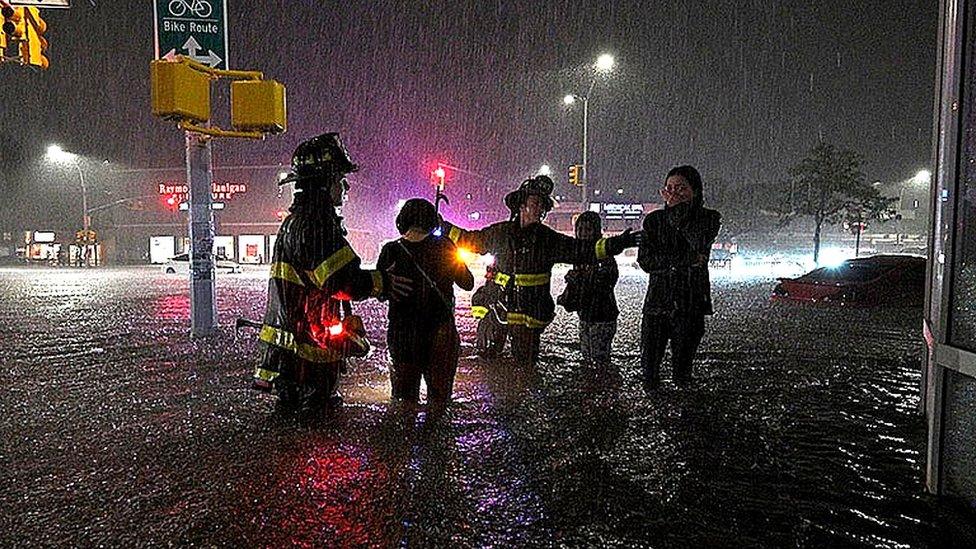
200, 8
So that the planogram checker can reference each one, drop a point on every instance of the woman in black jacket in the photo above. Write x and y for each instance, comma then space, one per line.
674, 253
422, 337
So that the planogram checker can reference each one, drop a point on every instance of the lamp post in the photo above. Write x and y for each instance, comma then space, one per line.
60, 156
603, 64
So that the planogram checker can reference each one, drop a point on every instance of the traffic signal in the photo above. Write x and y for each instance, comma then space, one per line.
14, 23
34, 50
574, 175
439, 175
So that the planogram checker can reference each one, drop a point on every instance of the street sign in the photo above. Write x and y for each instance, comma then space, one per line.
194, 28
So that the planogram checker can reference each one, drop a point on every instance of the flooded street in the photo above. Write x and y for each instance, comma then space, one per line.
801, 430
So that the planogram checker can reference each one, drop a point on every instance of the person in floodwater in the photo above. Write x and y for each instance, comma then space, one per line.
313, 272
525, 251
422, 337
674, 253
589, 292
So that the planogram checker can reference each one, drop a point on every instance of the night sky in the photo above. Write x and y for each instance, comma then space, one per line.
740, 89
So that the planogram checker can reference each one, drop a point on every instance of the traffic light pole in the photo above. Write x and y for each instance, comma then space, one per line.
586, 173
199, 176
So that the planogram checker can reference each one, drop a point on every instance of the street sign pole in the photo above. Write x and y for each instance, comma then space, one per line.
199, 176
196, 29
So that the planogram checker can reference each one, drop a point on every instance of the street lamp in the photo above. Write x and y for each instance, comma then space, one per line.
603, 64
58, 155
545, 170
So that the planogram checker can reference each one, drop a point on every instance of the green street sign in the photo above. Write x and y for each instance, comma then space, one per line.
193, 28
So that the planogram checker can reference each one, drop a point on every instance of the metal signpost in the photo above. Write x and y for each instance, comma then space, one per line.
197, 29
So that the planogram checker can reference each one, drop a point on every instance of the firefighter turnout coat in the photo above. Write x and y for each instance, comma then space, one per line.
313, 269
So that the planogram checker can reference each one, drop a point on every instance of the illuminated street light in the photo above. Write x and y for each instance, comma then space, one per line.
58, 155
604, 63
545, 170
923, 176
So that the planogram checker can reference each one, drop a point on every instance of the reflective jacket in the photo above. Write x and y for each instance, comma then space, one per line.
524, 258
313, 269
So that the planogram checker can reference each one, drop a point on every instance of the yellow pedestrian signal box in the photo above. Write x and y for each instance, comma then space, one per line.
574, 175
258, 105
33, 51
179, 91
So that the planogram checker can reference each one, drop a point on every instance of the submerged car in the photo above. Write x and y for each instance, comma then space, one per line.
863, 281
181, 264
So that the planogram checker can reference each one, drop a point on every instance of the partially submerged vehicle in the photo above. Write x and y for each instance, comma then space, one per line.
863, 281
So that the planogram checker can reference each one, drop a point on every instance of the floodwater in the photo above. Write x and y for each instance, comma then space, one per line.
118, 430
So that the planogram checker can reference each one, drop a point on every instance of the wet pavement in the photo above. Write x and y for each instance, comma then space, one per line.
117, 430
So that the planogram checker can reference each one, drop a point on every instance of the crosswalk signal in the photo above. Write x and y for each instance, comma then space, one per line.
574, 175
34, 50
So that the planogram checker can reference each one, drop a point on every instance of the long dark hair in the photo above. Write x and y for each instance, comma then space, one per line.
694, 179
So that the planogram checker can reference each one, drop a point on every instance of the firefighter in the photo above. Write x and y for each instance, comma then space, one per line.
313, 271
525, 251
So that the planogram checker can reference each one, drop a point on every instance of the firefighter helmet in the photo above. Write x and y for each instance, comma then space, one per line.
319, 156
540, 185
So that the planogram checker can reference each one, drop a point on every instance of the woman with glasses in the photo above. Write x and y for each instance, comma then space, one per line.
674, 253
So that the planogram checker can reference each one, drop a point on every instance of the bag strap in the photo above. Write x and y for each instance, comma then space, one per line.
447, 303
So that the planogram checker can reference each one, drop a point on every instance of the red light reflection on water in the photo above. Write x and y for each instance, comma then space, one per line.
338, 486
171, 307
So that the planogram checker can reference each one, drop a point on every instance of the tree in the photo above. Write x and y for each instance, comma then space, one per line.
861, 210
828, 186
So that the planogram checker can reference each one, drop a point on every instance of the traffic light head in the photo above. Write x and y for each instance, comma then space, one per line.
14, 23
34, 50
574, 175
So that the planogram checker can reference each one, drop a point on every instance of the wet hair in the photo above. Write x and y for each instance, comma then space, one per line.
416, 212
694, 179
589, 218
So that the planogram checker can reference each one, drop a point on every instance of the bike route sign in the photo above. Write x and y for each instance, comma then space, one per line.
194, 28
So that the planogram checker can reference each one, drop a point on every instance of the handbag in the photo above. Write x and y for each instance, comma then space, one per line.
571, 298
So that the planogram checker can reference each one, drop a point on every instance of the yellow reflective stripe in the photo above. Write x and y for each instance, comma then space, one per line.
601, 249
377, 282
501, 279
478, 311
525, 320
312, 353
278, 338
532, 279
286, 340
265, 375
286, 272
454, 234
332, 265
